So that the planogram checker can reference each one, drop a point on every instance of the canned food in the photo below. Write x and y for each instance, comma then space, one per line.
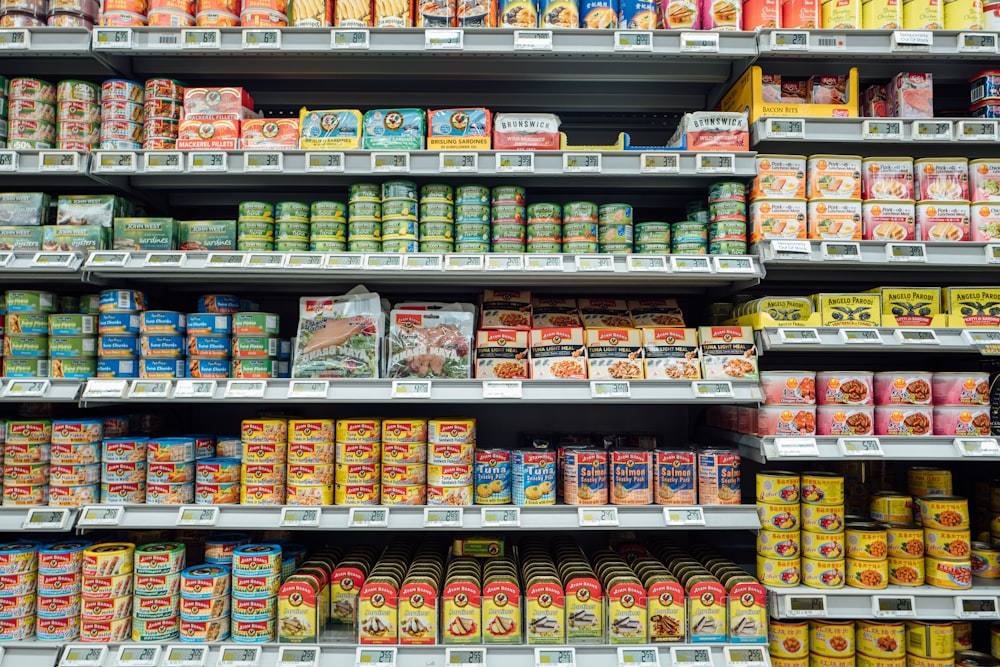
906, 571
947, 543
944, 512
779, 573
822, 488
879, 639
867, 574
817, 546
777, 486
905, 540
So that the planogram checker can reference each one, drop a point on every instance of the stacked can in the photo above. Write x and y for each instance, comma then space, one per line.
534, 474
118, 327
779, 543
170, 471
205, 601
75, 468
932, 644
26, 455
508, 219
77, 115
451, 451
123, 470
310, 462
867, 555
472, 219
72, 345
328, 226
124, 13
256, 579
26, 340
652, 237
358, 457
208, 337
23, 13
19, 569
163, 100
905, 540
437, 218
545, 229
4, 109
399, 217
74, 14
255, 345
823, 539
122, 115
493, 477
291, 228
264, 13
923, 481
219, 551
255, 226
404, 461
170, 13
106, 605
364, 218
157, 584
689, 237
727, 218
580, 227
217, 13
31, 108
262, 473
59, 587
217, 481
947, 541
614, 229
162, 344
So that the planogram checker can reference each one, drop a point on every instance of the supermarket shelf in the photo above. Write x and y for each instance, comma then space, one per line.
47, 170
30, 653
40, 267
19, 390
60, 53
926, 602
789, 339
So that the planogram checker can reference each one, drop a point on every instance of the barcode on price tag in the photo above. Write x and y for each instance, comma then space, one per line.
532, 40
699, 42
796, 447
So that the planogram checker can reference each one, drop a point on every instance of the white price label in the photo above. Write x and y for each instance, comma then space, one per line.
83, 655
470, 657
263, 162
101, 259
976, 607
912, 40
746, 656
235, 655
976, 130
733, 264
931, 130
840, 251
197, 389
532, 40
368, 517
258, 38
423, 262
144, 389
208, 162
58, 161
182, 655
805, 606
977, 447
864, 447
581, 163
111, 38
308, 389
266, 260
977, 42
97, 389
595, 262
882, 130
344, 261
504, 262
387, 262
46, 518
691, 657
690, 264
350, 39
17, 39
633, 40
638, 656
790, 250
197, 515
453, 40
659, 163
305, 260
200, 38
788, 40
164, 259
590, 517
905, 252
442, 517
8, 161
896, 606
464, 262
699, 42
26, 388
544, 263
391, 163
684, 516
411, 389
53, 260
459, 163
981, 336
137, 655
163, 161
298, 517
861, 336
610, 389
245, 389
516, 162
917, 337
225, 260
375, 657
715, 163
501, 517
992, 253
646, 263
785, 128
101, 515
796, 447
797, 335
712, 389
502, 389
324, 162
115, 162
289, 656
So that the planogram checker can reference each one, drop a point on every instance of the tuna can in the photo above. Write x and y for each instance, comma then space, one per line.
291, 211
25, 495
472, 213
365, 192
157, 585
262, 494
688, 232
70, 325
472, 194
173, 473
209, 324
210, 347
123, 449
492, 477
356, 494
580, 211
27, 432
162, 346
207, 582
30, 302
328, 211
510, 214
580, 232
652, 232
192, 609
75, 90
533, 477
54, 585
28, 368
399, 189
118, 493
118, 323
472, 233
220, 304
404, 495
162, 368
162, 322
20, 346
122, 301
169, 494
28, 324
217, 494
253, 632
253, 609
509, 194
437, 192
123, 471
170, 450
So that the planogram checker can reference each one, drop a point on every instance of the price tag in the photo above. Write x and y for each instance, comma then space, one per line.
860, 447
235, 655
375, 657
83, 655
639, 656
791, 250
796, 447
8, 161
111, 38
423, 262
411, 389
787, 40
144, 389
6, 259
840, 251
882, 130
181, 655
733, 264
931, 130
324, 162
261, 161
26, 388
691, 657
458, 162
917, 337
603, 389
472, 657
101, 515
906, 252
516, 162
199, 389
18, 39
137, 655
452, 40
712, 389
225, 260
805, 606
205, 162
993, 253
595, 263
597, 517
699, 42
115, 162
504, 262
53, 260
350, 39
633, 40
297, 517
163, 161
976, 130
245, 389
659, 163
715, 163
464, 262
391, 163
197, 515
977, 446
308, 389
165, 259
368, 517
266, 260
976, 607
977, 42
101, 259
58, 161
258, 38
544, 263
304, 260
201, 39
785, 128
389, 262
96, 389
861, 336
646, 263
585, 163
894, 607
532, 40
981, 336
690, 264
289, 656
341, 261
442, 517
829, 42
912, 40
684, 516
46, 518
501, 517
797, 335
745, 656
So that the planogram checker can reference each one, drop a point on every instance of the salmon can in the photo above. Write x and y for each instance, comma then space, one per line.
822, 488
777, 486
779, 573
779, 545
947, 543
833, 639
953, 573
882, 640
788, 640
585, 477
823, 573
891, 507
630, 476
817, 546
867, 574
675, 475
944, 512
719, 477
905, 540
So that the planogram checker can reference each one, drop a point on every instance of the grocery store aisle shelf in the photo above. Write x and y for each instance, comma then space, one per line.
829, 339
925, 602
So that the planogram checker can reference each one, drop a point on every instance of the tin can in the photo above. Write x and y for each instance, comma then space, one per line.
779, 517
779, 545
884, 640
866, 541
818, 546
906, 571
356, 494
823, 573
778, 573
822, 488
947, 544
905, 540
944, 512
985, 560
822, 518
951, 573
867, 574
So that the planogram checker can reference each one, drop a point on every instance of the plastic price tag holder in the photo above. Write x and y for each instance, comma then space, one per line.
375, 657
446, 40
344, 261
977, 42
638, 656
860, 447
690, 264
840, 251
137, 655
102, 259
606, 389
830, 42
544, 263
882, 130
905, 252
594, 262
184, 655
805, 606
6, 259
98, 389
83, 655
162, 161
912, 41
368, 517
505, 262
441, 517
293, 656
236, 655
502, 389
58, 161
350, 39
712, 389
691, 657
532, 40
583, 163
633, 40
746, 656
796, 447
305, 260
324, 162
225, 260
17, 39
785, 128
976, 130
789, 40
515, 162
646, 263
245, 389
980, 337
165, 259
200, 38
146, 389
684, 516
411, 389
391, 163
917, 336
797, 335
699, 42
992, 253
974, 606
204, 161
931, 130
469, 657
199, 389
197, 515
8, 161
27, 388
459, 163
386, 262
46, 518
115, 162
308, 389
266, 260
860, 336
299, 517
659, 163
111, 38
896, 606
270, 161
733, 264
423, 262
53, 260
261, 39
977, 447
597, 517
501, 517
464, 262
715, 163
100, 515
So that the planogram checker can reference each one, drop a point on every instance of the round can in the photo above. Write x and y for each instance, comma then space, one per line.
356, 494
674, 479
823, 573
905, 540
198, 609
451, 454
52, 585
891, 507
947, 544
450, 475
437, 192
580, 211
291, 211
25, 346
253, 632
207, 368
778, 517
264, 452
170, 450
399, 189
310, 431
906, 571
118, 323
688, 232
727, 190
404, 495
28, 432
438, 496
255, 559
779, 545
472, 194
727, 248
311, 494
108, 559
397, 431
817, 546
328, 211
823, 518
822, 488
170, 473
580, 232
217, 494
169, 494
123, 471
731, 210
866, 541
777, 486
365, 192
944, 512
492, 477
615, 214
925, 481
867, 574
119, 493
778, 573
985, 560
359, 430
61, 557
262, 473
253, 609
415, 452
450, 431
262, 494
404, 474
205, 582
788, 639
361, 452
952, 573
965, 658
509, 194
26, 474
157, 585
883, 640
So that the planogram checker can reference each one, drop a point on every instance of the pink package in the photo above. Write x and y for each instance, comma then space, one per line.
681, 14
844, 388
724, 15
827, 89
845, 420
903, 388
789, 387
961, 388
903, 420
770, 88
972, 420
911, 95
786, 420
874, 101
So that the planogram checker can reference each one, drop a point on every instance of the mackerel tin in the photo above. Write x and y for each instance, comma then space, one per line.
68, 324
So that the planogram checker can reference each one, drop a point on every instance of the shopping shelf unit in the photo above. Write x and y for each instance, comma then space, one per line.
894, 602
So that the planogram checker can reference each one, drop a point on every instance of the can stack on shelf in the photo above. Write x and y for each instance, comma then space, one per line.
404, 462
614, 228
580, 227
106, 608
31, 108
170, 471
472, 219
255, 345
727, 218
155, 606
823, 536
451, 446
327, 226
310, 462
358, 457
509, 219
437, 218
867, 555
205, 602
493, 476
59, 587
262, 473
219, 548
123, 470
27, 452
291, 226
207, 333
77, 115
26, 333
162, 344
947, 535
533, 474
399, 217
256, 580
163, 98
217, 481
544, 228
72, 345
118, 328
779, 543
75, 468
255, 226
364, 218
122, 115
19, 569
